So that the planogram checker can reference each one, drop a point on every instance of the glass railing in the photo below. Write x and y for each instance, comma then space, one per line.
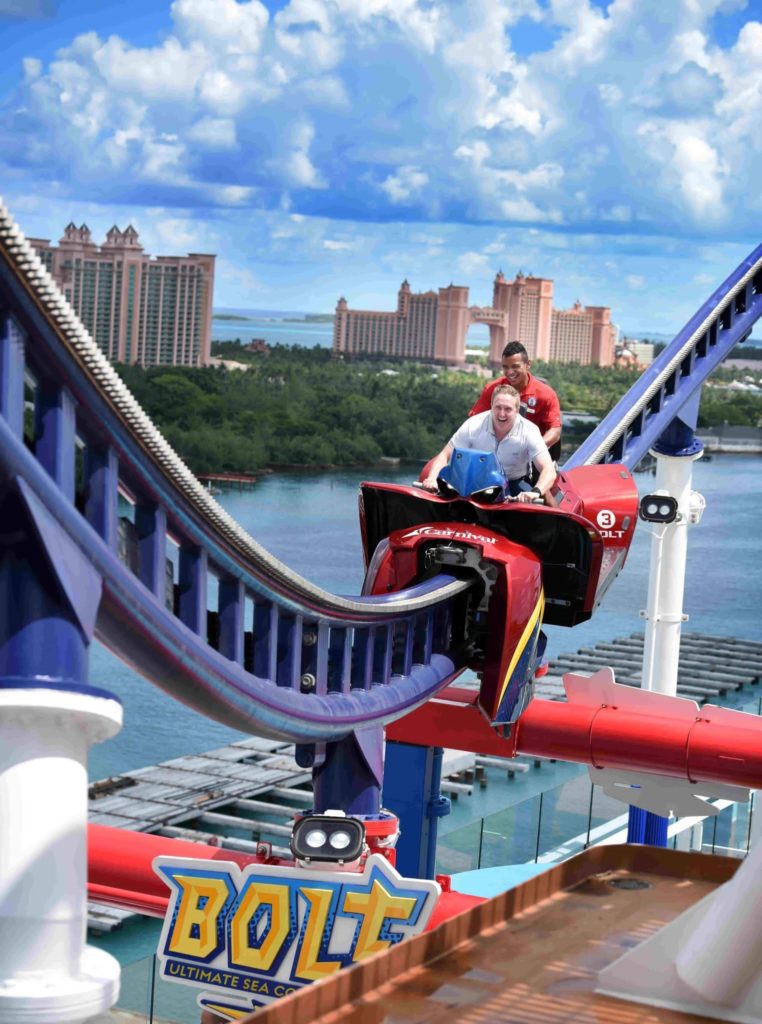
562, 821
153, 1000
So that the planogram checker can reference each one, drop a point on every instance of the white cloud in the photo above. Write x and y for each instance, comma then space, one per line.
376, 109
214, 132
544, 176
407, 184
522, 209
297, 167
237, 28
177, 233
475, 154
333, 245
32, 68
231, 195
167, 72
472, 262
610, 93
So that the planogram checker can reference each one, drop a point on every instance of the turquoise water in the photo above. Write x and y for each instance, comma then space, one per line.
277, 331
274, 331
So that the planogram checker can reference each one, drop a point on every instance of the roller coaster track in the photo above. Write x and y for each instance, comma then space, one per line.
277, 656
670, 387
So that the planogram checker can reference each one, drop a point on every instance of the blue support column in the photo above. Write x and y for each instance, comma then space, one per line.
231, 609
102, 493
55, 434
151, 526
636, 825
11, 375
192, 589
412, 778
348, 777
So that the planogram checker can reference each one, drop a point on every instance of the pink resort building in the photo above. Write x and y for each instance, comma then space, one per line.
138, 308
432, 326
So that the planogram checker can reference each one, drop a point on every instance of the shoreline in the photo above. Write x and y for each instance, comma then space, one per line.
273, 469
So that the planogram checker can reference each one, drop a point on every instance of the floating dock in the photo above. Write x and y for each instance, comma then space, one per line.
711, 667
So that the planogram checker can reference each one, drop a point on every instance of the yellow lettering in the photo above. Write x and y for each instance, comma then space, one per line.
196, 932
254, 896
375, 906
308, 966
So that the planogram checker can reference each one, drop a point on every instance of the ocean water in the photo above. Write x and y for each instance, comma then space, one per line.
272, 327
281, 327
310, 521
277, 327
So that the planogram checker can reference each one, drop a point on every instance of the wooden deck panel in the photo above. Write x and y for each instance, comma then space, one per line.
528, 956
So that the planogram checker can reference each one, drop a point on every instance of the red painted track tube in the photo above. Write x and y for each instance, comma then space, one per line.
119, 866
633, 732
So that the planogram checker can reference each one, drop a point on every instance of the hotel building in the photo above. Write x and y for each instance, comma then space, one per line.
432, 326
137, 308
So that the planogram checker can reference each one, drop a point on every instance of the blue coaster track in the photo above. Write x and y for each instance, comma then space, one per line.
277, 656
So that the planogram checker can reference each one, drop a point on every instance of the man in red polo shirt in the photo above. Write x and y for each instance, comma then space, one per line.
539, 402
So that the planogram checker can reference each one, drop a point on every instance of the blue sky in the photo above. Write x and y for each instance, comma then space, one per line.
333, 147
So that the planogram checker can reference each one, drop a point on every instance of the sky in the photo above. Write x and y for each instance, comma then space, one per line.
327, 148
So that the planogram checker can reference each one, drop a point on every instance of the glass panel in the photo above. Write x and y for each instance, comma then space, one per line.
728, 833
459, 850
564, 822
510, 836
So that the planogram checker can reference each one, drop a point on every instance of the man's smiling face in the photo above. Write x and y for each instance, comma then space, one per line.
516, 371
505, 409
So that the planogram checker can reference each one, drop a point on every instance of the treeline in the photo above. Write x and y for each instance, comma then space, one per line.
299, 407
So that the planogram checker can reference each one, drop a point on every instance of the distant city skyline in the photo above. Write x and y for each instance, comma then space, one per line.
339, 144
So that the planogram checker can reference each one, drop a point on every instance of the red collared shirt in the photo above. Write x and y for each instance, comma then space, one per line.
539, 403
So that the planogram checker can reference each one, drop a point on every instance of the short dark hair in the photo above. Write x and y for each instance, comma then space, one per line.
515, 348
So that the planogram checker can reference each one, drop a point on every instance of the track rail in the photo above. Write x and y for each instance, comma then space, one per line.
670, 387
227, 628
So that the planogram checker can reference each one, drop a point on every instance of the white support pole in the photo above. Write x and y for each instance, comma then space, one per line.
47, 973
669, 546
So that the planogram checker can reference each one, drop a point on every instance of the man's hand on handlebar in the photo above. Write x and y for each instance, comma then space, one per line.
430, 484
528, 497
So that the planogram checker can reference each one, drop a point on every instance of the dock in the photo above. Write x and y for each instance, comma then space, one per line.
711, 667
238, 480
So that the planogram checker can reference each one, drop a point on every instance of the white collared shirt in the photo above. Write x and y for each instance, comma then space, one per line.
515, 452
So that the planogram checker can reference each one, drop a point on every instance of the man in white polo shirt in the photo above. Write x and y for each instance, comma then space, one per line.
515, 441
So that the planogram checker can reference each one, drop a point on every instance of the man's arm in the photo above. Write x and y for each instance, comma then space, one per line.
551, 435
544, 466
552, 415
437, 464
